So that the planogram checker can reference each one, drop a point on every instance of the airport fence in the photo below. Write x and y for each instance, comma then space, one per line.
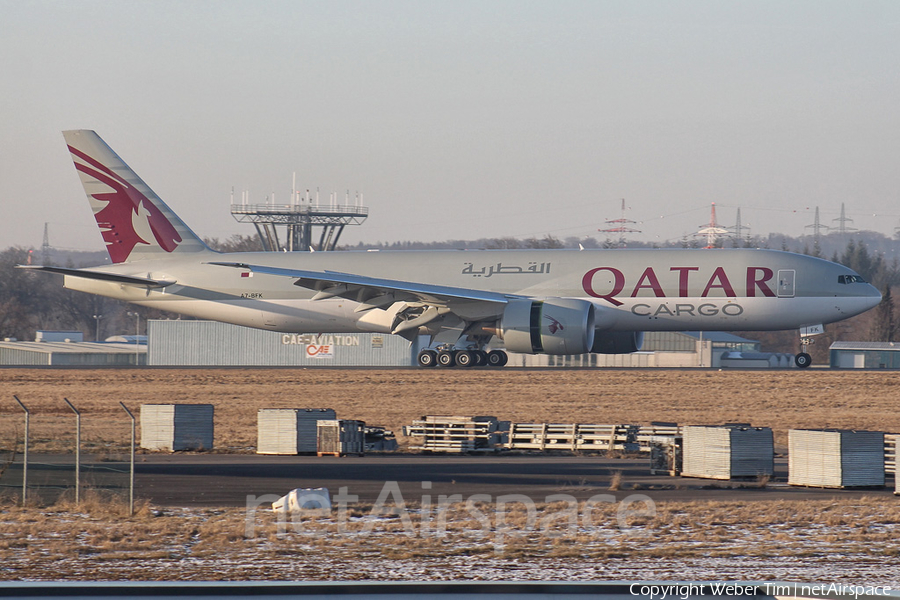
64, 453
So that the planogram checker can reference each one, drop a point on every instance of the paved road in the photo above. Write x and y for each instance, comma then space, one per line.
227, 479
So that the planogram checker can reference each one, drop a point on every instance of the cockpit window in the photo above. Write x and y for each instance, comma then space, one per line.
850, 279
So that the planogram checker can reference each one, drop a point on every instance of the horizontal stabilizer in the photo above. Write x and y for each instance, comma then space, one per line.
102, 276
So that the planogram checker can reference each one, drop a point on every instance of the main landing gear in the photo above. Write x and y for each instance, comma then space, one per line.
449, 357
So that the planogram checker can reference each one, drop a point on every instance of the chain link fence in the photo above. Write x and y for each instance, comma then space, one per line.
51, 455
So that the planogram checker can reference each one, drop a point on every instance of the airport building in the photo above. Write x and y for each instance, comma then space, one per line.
210, 343
865, 355
179, 343
71, 353
673, 349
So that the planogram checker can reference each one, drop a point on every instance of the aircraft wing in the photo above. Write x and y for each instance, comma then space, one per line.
102, 276
361, 288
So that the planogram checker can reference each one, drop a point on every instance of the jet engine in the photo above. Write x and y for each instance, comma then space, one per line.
617, 342
552, 326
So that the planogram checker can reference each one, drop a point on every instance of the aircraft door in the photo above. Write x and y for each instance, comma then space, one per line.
786, 283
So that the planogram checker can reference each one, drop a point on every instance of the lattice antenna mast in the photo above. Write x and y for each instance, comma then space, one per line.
45, 246
739, 228
620, 226
712, 231
817, 227
842, 227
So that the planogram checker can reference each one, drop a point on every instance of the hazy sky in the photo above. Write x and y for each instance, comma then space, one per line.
459, 120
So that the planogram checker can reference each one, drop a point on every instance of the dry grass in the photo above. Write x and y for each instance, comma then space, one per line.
615, 481
68, 541
393, 398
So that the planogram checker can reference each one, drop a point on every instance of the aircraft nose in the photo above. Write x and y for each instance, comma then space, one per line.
872, 295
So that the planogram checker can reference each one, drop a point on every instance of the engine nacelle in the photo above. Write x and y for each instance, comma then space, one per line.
617, 342
553, 326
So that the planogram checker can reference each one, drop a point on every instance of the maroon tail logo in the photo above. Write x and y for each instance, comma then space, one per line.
554, 325
116, 219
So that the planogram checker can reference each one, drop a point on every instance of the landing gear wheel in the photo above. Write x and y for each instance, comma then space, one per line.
802, 360
480, 358
446, 358
497, 358
427, 358
465, 358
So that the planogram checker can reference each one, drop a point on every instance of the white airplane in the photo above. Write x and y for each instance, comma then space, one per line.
535, 301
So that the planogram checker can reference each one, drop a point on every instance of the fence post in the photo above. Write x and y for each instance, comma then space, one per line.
77, 451
25, 457
131, 476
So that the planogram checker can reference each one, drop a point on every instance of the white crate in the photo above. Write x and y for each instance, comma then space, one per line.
835, 458
725, 452
177, 426
289, 430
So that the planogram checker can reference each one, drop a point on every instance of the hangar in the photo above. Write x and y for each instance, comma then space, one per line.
674, 349
865, 355
72, 354
211, 343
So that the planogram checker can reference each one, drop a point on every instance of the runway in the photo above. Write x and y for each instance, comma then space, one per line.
227, 480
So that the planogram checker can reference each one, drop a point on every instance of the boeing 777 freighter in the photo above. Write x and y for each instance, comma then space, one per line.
535, 301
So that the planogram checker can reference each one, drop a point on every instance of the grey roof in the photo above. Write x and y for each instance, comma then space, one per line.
75, 347
895, 346
720, 336
735, 355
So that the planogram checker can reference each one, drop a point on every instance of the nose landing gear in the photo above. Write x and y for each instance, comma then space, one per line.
803, 359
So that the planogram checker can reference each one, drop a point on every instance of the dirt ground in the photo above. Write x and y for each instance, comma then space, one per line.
395, 397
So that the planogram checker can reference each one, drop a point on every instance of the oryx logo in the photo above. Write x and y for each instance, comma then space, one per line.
129, 218
554, 325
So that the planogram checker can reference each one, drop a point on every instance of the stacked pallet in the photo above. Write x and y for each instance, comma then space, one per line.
835, 458
289, 430
340, 437
379, 439
728, 451
177, 426
890, 453
458, 434
648, 435
890, 459
570, 436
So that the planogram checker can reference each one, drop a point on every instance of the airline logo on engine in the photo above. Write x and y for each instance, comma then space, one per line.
555, 326
609, 283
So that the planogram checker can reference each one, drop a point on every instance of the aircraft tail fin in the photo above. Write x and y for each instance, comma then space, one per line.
134, 222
